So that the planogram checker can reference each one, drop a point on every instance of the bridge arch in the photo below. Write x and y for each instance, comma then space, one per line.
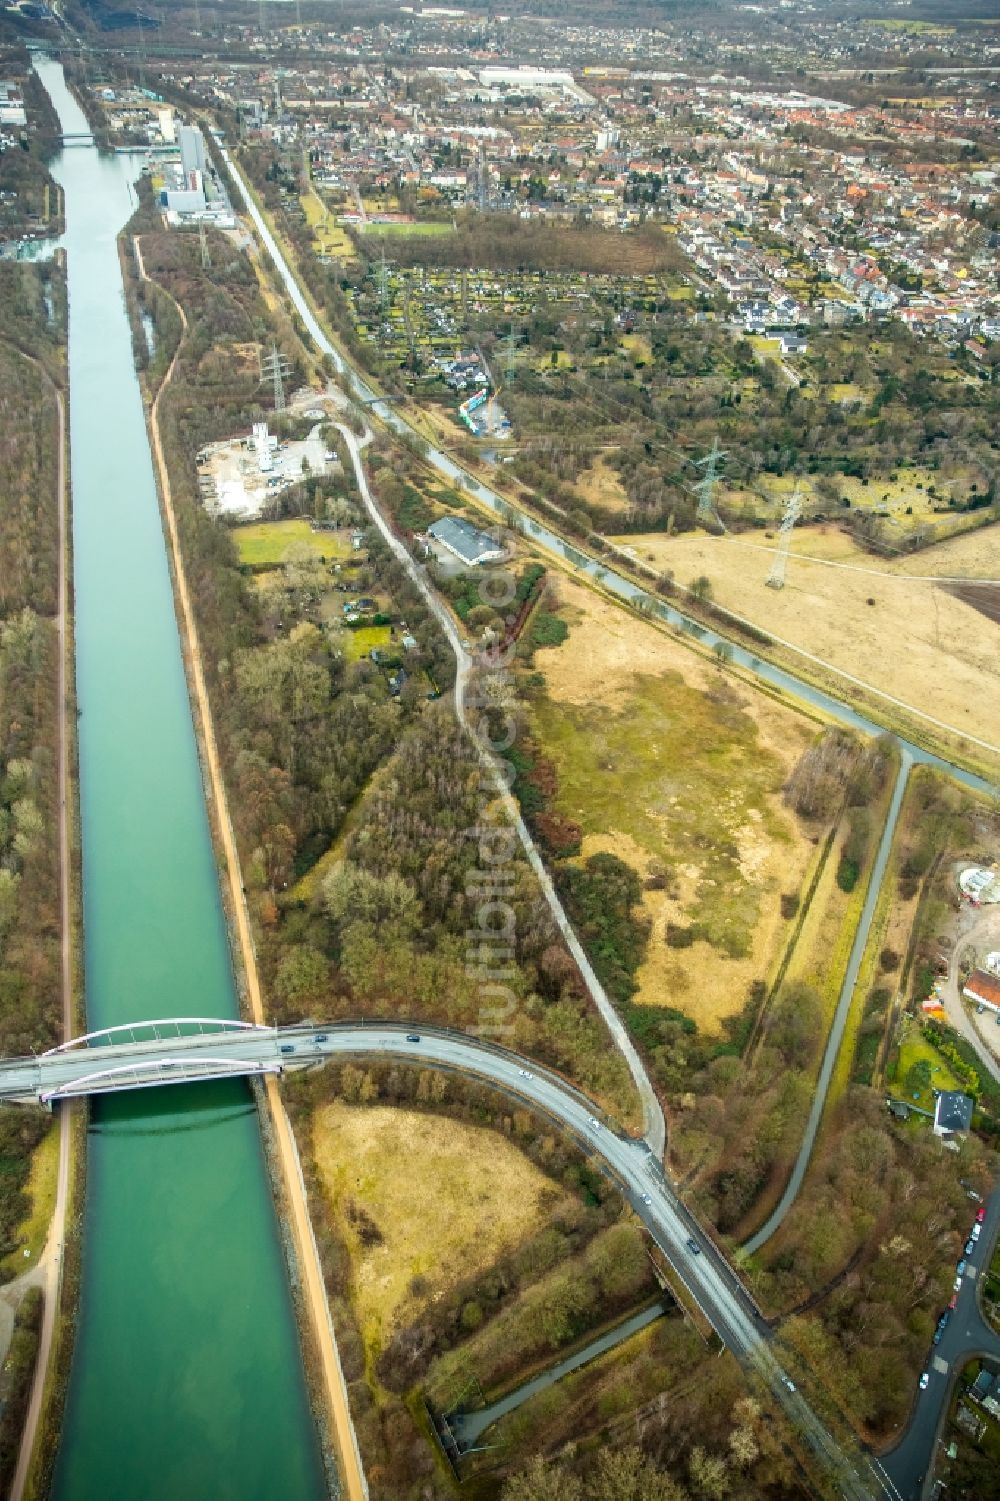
199, 1025
151, 1075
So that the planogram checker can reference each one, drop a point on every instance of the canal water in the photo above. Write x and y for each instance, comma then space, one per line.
187, 1379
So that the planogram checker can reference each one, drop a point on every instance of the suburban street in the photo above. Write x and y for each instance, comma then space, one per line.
966, 1335
978, 932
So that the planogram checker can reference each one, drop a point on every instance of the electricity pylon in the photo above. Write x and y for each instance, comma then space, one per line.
275, 367
206, 259
792, 512
509, 363
705, 488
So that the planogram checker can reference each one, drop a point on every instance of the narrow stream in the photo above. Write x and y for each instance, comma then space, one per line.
187, 1379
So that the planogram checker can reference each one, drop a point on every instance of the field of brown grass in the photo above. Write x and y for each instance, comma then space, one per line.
903, 635
664, 759
444, 1198
601, 486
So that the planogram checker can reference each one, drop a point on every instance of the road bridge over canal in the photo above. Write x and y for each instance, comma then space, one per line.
186, 1050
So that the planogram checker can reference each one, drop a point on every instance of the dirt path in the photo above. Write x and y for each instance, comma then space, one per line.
313, 1290
919, 578
654, 1124
47, 1272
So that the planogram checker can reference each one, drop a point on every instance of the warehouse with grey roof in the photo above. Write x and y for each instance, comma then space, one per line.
467, 542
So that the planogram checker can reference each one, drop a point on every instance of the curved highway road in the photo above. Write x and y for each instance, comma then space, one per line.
633, 594
705, 1273
699, 1265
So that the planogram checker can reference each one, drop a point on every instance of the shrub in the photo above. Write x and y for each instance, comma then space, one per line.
548, 630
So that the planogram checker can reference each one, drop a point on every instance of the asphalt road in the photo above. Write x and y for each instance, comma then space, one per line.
967, 1334
654, 1125
836, 1034
705, 1273
877, 1481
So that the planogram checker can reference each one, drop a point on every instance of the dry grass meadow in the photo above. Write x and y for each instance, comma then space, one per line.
901, 633
446, 1198
665, 760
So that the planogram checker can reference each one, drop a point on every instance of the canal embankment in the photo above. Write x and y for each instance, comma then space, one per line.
324, 1368
186, 1374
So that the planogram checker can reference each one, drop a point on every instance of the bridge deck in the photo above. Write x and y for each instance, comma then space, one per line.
110, 1067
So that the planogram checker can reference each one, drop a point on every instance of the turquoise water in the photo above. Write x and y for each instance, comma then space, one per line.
187, 1379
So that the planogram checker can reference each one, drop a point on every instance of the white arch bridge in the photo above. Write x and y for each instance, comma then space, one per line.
168, 1050
188, 1049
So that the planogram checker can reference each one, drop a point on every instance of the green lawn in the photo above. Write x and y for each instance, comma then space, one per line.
366, 638
421, 227
913, 1048
265, 542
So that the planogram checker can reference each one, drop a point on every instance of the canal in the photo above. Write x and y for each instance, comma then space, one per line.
837, 709
187, 1378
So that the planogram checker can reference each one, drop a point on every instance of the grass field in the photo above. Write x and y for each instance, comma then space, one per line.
638, 346
330, 238
974, 554
912, 1050
366, 638
903, 635
663, 758
601, 485
447, 1199
265, 542
41, 1190
402, 230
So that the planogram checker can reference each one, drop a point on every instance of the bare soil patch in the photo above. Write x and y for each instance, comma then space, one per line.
982, 597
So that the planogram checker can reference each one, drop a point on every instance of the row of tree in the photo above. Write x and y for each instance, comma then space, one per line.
30, 919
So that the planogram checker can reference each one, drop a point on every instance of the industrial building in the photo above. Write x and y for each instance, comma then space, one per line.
465, 541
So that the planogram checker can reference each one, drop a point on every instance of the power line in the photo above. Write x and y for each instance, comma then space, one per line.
274, 367
705, 488
792, 512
